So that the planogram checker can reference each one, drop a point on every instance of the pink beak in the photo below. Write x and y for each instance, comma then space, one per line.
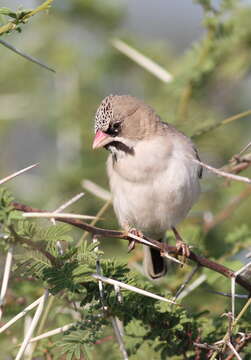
101, 139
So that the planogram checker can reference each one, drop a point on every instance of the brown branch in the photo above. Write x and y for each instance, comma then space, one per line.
238, 164
200, 260
241, 343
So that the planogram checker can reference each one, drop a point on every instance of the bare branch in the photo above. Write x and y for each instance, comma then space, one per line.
119, 337
6, 277
56, 215
21, 314
143, 61
240, 344
186, 281
193, 286
163, 247
238, 163
223, 173
243, 150
231, 347
96, 190
17, 173
26, 56
226, 121
69, 202
33, 325
59, 330
131, 288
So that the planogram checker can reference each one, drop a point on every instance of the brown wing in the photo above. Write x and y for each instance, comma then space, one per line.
200, 170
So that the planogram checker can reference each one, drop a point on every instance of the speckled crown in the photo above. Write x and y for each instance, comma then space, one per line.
104, 114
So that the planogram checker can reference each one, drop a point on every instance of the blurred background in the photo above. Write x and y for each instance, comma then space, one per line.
49, 118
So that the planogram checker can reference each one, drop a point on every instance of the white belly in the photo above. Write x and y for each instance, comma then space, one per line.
157, 201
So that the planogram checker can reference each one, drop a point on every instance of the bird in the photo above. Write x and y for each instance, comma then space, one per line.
152, 176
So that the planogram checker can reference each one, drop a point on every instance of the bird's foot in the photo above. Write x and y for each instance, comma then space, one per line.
181, 246
133, 231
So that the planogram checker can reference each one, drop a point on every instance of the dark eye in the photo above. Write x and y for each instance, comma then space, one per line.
114, 129
116, 125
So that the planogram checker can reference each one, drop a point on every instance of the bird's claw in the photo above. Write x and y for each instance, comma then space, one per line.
184, 248
133, 231
131, 246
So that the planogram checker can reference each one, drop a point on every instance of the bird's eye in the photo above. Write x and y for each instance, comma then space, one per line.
114, 129
116, 125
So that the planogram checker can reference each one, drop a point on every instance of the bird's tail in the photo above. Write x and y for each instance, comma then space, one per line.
155, 266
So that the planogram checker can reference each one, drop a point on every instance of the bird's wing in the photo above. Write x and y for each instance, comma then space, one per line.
200, 169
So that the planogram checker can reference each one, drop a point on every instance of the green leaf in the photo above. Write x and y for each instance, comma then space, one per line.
8, 12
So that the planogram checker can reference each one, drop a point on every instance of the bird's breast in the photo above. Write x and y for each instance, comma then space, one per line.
154, 189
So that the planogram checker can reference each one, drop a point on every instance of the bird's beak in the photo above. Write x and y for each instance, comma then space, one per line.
101, 139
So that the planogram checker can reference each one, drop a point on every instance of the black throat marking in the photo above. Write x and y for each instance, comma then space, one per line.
117, 146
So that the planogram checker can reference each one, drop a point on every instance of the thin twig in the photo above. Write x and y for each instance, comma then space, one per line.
234, 323
96, 190
26, 56
245, 267
131, 288
240, 344
205, 346
119, 338
238, 296
238, 272
41, 326
237, 164
33, 325
242, 312
68, 203
214, 126
233, 296
231, 347
165, 254
51, 333
223, 173
143, 61
27, 323
55, 215
21, 314
17, 173
187, 280
243, 150
6, 276
99, 272
57, 331
193, 286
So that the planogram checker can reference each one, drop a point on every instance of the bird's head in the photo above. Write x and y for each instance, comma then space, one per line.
121, 121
